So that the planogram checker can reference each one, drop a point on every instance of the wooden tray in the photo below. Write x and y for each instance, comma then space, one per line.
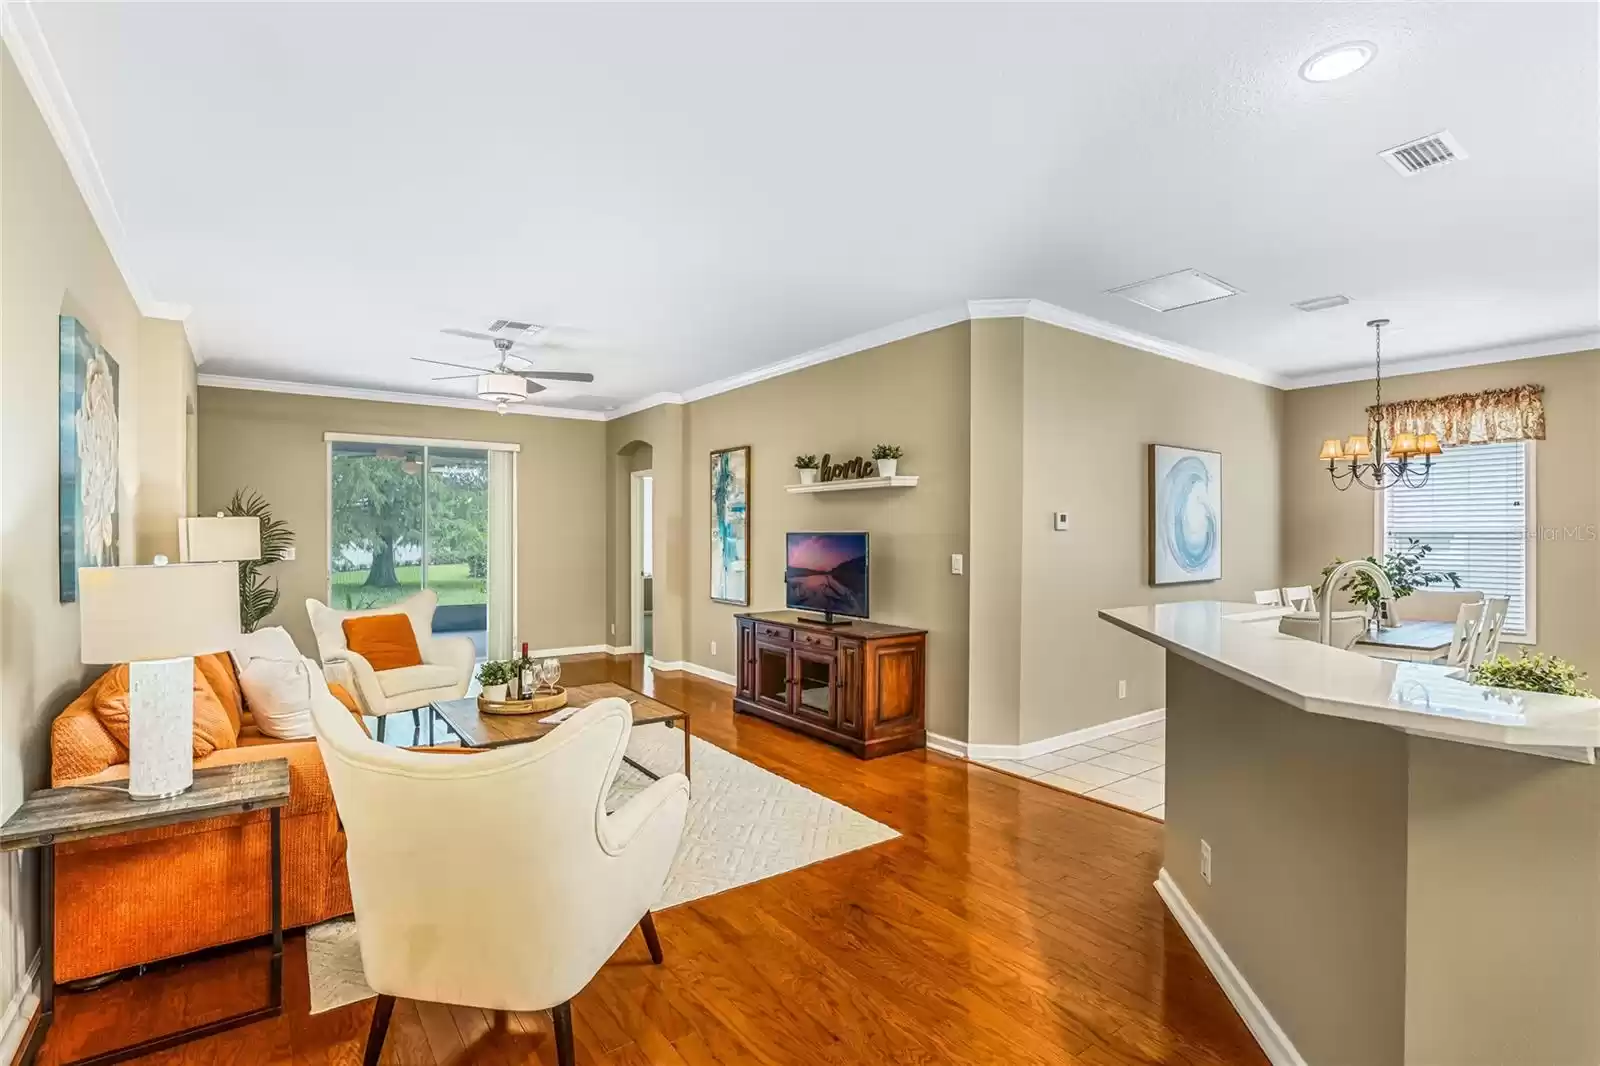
541, 703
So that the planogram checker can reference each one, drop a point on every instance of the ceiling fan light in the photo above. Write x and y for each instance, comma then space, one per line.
502, 388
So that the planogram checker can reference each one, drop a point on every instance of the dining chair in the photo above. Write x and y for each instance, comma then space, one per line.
1469, 616
1270, 597
1300, 597
1487, 644
496, 879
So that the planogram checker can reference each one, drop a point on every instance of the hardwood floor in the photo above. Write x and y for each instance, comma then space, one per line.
1011, 923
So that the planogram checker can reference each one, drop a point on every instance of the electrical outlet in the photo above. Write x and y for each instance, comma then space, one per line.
1205, 862
957, 564
1122, 690
713, 647
1061, 521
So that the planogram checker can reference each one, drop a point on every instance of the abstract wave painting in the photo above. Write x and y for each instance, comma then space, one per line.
1185, 515
730, 526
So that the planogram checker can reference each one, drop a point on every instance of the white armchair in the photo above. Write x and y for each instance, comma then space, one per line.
445, 673
497, 879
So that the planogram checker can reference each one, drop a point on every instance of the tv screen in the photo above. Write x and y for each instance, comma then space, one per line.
826, 572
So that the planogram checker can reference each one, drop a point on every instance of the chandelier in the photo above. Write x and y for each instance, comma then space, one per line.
1368, 463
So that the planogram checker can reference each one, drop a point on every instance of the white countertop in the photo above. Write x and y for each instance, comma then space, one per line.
1241, 641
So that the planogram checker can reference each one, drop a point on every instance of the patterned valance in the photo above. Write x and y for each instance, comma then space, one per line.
1467, 417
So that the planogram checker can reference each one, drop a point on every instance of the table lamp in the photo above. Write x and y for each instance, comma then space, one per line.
157, 619
219, 539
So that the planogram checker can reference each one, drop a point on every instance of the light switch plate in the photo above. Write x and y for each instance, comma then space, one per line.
1061, 521
957, 564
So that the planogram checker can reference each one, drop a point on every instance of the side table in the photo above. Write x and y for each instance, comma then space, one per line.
59, 815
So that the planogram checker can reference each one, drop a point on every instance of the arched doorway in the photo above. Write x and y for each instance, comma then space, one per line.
638, 460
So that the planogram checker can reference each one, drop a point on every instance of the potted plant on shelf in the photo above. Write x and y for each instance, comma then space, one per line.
807, 465
1531, 673
1404, 569
495, 677
887, 457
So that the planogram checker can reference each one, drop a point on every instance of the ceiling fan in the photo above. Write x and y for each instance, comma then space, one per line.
503, 384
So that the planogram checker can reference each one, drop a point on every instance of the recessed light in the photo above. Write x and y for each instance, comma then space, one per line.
1322, 303
1183, 288
1331, 64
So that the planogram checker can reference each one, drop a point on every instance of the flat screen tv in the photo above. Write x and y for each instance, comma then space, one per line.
826, 572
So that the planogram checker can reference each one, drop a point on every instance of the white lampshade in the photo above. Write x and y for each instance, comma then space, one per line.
133, 613
219, 539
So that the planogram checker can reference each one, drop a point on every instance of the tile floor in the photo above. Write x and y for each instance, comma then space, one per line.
1127, 769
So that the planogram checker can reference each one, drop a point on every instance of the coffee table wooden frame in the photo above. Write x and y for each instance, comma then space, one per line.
478, 730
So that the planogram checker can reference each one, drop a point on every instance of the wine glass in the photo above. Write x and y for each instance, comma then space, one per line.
550, 673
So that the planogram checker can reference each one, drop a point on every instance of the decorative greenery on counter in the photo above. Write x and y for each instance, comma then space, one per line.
887, 451
1532, 673
494, 672
1403, 567
805, 462
257, 596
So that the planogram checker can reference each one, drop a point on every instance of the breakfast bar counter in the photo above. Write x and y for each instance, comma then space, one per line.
1381, 862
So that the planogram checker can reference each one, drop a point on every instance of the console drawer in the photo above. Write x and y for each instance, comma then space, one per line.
772, 632
815, 640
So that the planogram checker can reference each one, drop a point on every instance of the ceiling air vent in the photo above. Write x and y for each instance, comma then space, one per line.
510, 326
1322, 303
1424, 153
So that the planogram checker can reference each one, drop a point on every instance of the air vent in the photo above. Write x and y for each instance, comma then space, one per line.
509, 326
1322, 303
1425, 153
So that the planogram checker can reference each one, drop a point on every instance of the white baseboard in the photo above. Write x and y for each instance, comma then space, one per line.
1273, 1040
947, 745
686, 667
18, 1014
556, 653
616, 652
1065, 740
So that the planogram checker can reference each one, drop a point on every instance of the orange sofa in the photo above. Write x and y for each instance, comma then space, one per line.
156, 893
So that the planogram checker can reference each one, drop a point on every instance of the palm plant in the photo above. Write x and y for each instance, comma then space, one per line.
258, 596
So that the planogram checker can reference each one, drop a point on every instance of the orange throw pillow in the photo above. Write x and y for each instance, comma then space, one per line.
387, 641
213, 730
217, 669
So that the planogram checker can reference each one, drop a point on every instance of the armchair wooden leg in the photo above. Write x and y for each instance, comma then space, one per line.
382, 718
561, 1014
380, 1028
648, 925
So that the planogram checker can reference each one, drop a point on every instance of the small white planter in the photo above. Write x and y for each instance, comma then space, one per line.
886, 467
495, 693
808, 477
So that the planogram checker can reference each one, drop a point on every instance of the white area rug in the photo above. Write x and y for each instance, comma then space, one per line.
745, 824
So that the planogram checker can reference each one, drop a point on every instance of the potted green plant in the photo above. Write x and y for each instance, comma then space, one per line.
807, 465
1403, 567
1531, 673
495, 677
887, 457
258, 597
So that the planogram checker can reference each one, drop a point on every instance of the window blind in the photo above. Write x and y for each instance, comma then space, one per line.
1473, 513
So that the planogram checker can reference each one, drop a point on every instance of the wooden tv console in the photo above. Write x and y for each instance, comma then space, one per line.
859, 686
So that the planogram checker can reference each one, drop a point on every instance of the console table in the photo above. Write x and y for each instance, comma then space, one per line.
860, 686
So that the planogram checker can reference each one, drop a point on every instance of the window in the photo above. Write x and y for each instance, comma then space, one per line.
1475, 513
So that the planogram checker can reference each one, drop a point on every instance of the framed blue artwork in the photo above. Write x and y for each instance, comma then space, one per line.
730, 526
89, 480
1185, 515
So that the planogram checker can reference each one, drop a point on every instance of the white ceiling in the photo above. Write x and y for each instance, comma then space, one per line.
704, 190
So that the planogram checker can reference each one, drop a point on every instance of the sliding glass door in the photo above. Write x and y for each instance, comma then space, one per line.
409, 516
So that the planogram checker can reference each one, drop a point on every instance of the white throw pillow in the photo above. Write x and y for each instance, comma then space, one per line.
278, 693
274, 642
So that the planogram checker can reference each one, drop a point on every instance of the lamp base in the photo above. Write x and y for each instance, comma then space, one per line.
160, 728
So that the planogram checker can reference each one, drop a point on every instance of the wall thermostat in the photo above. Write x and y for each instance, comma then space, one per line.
1061, 520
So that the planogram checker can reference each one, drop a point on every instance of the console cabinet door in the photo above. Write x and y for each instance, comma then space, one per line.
849, 688
816, 687
745, 667
771, 674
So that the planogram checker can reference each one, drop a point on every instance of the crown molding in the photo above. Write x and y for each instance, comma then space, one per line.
1560, 344
343, 392
655, 399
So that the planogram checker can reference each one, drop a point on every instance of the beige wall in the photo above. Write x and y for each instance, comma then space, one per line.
273, 443
912, 393
661, 428
53, 261
166, 426
1320, 522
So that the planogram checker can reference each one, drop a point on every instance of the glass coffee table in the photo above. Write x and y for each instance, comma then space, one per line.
478, 730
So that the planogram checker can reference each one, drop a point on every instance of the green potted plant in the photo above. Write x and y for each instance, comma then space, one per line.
1404, 569
495, 677
807, 465
887, 457
258, 597
1531, 673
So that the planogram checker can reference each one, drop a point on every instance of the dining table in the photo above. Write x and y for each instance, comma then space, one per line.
1416, 642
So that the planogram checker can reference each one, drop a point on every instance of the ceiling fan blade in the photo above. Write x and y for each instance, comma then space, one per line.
455, 377
441, 362
555, 375
474, 334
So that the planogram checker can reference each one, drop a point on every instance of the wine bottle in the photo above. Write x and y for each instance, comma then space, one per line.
527, 673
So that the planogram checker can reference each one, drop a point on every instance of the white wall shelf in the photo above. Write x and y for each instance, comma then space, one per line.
855, 484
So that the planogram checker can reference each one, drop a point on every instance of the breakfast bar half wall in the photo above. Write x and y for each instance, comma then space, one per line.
1382, 863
